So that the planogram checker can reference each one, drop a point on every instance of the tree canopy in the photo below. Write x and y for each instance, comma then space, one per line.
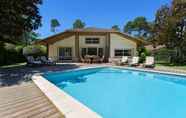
78, 24
116, 27
17, 17
139, 27
170, 27
54, 24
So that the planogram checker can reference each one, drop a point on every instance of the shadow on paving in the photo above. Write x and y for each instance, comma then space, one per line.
17, 75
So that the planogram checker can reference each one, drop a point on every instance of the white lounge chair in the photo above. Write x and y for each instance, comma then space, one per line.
135, 61
47, 61
124, 60
149, 62
31, 61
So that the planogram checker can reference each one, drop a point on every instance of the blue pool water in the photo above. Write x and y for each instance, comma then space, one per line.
120, 93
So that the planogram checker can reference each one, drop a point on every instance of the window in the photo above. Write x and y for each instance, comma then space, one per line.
92, 51
65, 52
92, 40
123, 52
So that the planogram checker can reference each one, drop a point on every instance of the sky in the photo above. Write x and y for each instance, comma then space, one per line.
95, 13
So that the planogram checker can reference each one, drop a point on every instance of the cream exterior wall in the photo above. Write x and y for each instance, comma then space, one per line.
116, 42
119, 42
68, 42
82, 43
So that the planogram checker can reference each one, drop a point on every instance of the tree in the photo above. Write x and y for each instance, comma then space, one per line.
30, 37
78, 24
170, 28
17, 17
54, 24
116, 27
138, 27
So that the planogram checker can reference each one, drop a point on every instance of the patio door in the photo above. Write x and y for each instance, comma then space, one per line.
65, 53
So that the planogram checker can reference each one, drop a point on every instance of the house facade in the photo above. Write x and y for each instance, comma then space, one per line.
75, 44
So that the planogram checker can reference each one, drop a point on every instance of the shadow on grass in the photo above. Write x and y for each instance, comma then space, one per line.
17, 74
171, 64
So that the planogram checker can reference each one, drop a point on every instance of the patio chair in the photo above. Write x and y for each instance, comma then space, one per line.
82, 59
101, 60
31, 61
149, 62
134, 62
96, 59
87, 59
124, 60
48, 61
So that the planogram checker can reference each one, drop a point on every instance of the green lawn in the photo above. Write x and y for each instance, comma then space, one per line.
13, 65
173, 66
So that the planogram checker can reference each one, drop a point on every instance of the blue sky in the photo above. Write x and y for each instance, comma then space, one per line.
95, 13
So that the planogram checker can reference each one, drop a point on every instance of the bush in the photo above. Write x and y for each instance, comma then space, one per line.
142, 53
11, 54
35, 50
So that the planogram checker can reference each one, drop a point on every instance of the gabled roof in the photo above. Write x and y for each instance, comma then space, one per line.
90, 30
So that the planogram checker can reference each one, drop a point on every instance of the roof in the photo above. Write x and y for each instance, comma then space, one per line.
91, 29
70, 32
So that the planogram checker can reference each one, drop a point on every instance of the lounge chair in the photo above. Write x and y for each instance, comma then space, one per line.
149, 62
31, 61
134, 62
48, 61
124, 60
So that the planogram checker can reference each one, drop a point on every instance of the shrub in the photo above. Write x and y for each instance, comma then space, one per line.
11, 54
142, 53
34, 50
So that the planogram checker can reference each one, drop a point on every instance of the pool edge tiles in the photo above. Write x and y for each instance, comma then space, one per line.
67, 105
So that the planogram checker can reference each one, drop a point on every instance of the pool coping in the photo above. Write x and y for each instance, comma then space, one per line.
69, 106
151, 71
66, 104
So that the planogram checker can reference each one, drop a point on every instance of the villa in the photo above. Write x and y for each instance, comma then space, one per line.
72, 45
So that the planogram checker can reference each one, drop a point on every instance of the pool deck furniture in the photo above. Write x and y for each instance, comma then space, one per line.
149, 62
31, 61
124, 60
47, 61
134, 61
26, 101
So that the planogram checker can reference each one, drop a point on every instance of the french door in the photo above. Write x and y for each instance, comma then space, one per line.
65, 53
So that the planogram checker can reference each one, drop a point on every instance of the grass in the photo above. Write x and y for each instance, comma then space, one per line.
13, 65
173, 66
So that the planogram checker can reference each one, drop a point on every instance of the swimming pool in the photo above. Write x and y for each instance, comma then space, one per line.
123, 93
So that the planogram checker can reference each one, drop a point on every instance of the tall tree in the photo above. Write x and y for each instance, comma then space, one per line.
78, 24
170, 28
54, 24
116, 27
17, 17
138, 27
30, 37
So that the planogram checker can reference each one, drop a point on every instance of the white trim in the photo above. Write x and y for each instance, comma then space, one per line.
68, 106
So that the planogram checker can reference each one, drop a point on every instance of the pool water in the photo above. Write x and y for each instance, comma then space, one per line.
121, 93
